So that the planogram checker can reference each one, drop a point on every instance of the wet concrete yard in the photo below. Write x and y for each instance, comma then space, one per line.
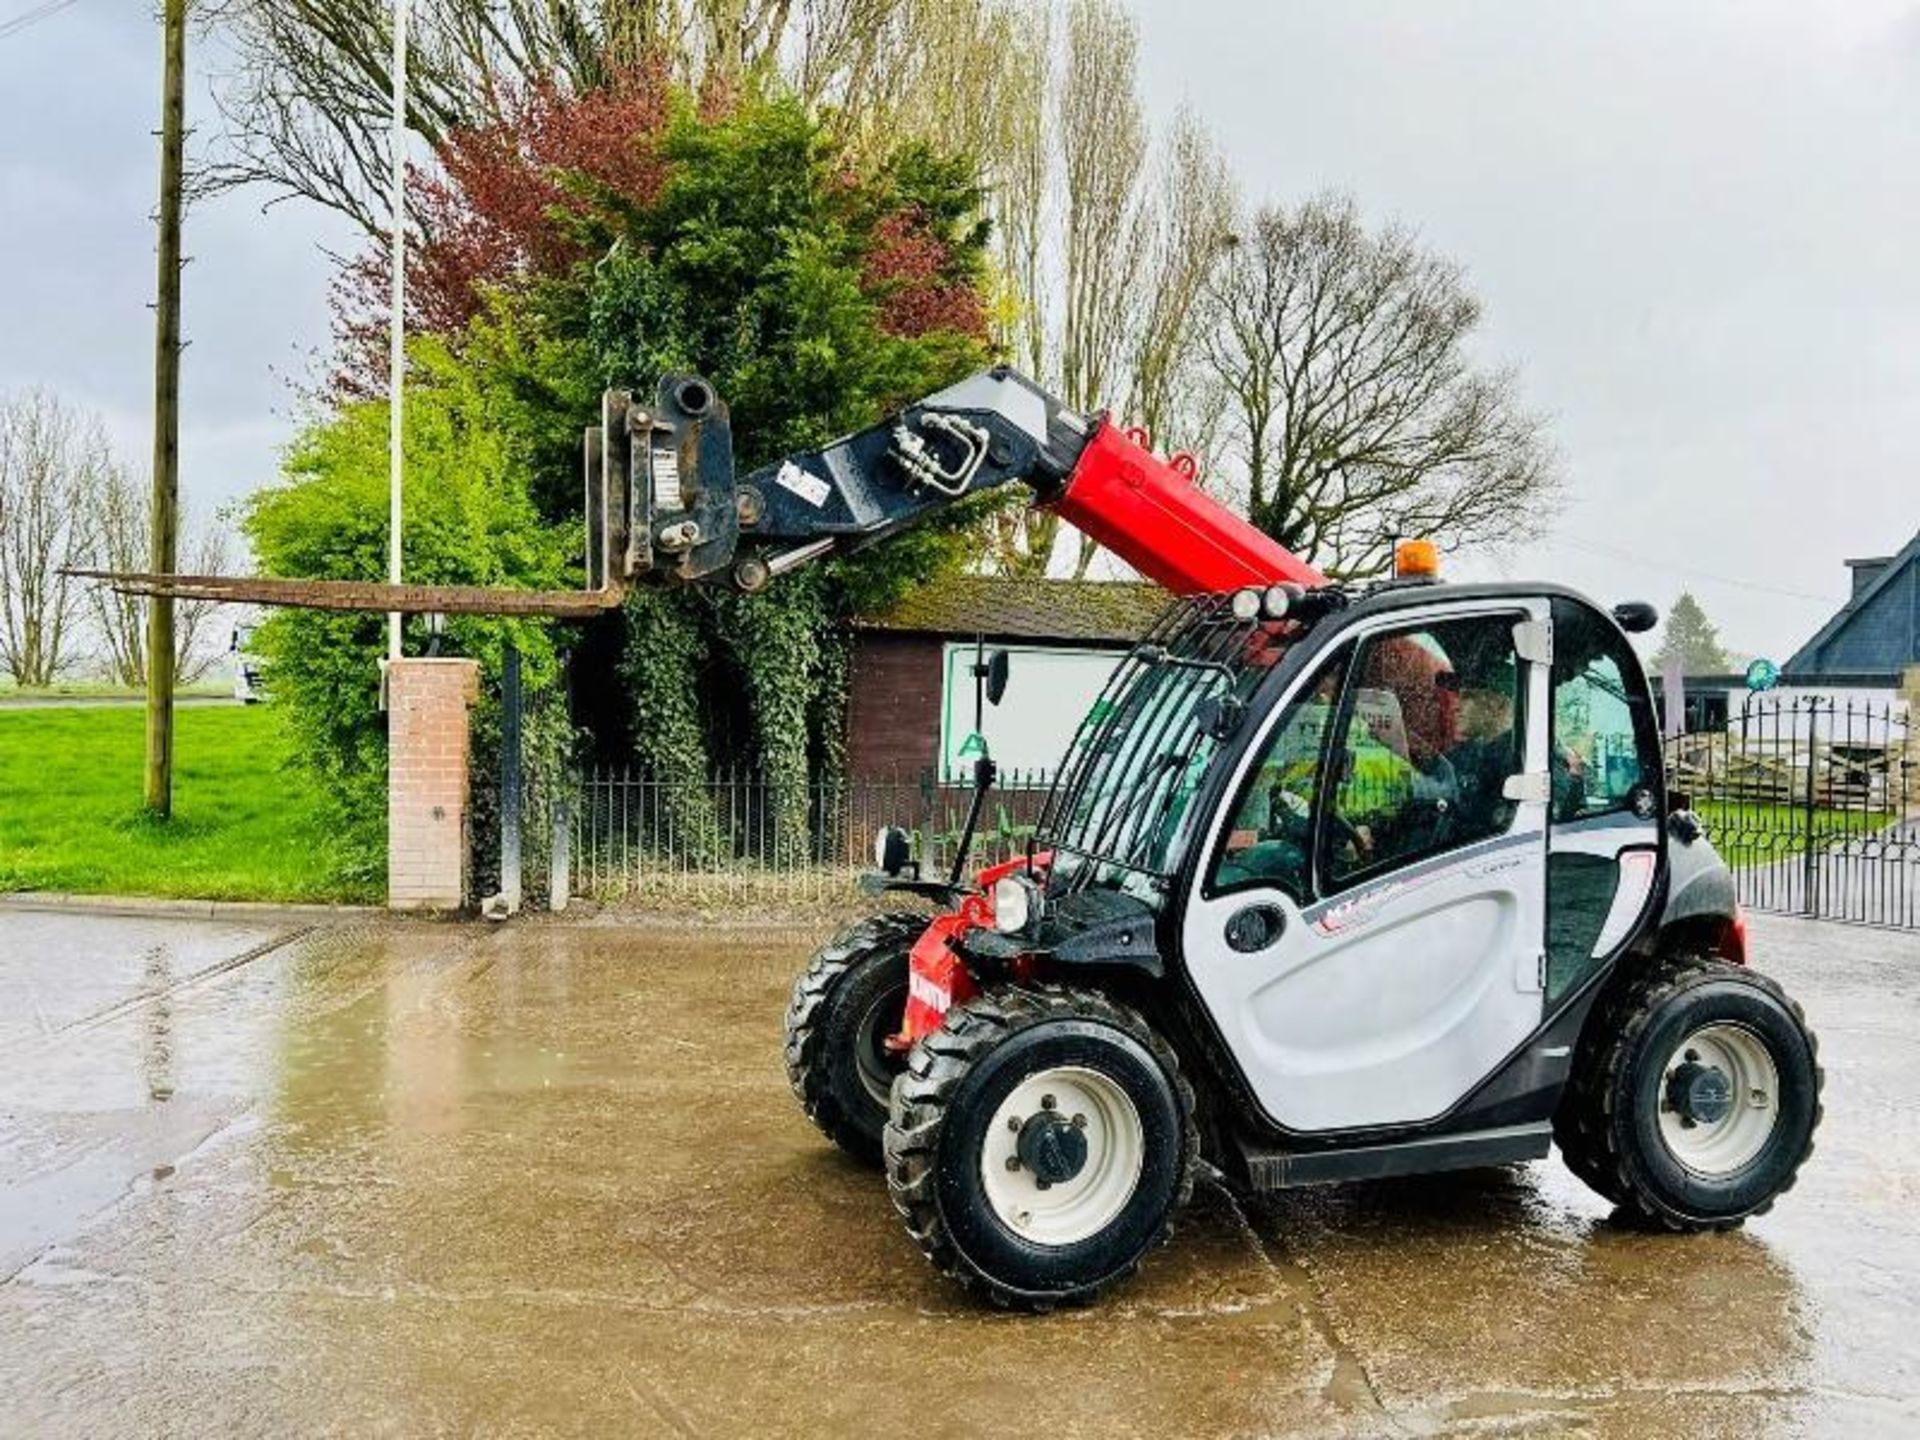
410, 1178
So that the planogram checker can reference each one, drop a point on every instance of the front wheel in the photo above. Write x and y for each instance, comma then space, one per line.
1695, 1095
1041, 1142
845, 1006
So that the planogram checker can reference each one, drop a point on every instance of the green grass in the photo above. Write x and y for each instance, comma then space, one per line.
245, 826
1748, 833
104, 690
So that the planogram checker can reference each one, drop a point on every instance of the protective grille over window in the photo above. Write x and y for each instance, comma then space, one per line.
1121, 803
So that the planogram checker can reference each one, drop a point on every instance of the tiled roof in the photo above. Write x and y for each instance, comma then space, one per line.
1111, 611
1885, 638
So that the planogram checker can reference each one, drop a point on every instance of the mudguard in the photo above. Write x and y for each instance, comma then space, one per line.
1089, 927
1699, 884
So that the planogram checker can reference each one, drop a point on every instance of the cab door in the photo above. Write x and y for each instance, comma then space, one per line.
1608, 805
1368, 916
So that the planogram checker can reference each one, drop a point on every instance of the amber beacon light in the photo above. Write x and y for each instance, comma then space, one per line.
1416, 560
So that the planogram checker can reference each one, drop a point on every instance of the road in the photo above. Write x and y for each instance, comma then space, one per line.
386, 1177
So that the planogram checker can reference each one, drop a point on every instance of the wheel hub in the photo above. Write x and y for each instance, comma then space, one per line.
1062, 1155
1719, 1099
875, 1061
1053, 1148
1700, 1094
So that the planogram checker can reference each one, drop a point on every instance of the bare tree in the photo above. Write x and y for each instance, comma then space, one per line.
1187, 215
52, 460
1351, 408
1120, 228
1071, 188
124, 517
1102, 136
306, 97
1018, 171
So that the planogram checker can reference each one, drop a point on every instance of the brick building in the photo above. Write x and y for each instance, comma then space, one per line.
911, 698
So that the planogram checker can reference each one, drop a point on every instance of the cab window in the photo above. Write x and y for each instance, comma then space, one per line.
1430, 732
1269, 838
1604, 755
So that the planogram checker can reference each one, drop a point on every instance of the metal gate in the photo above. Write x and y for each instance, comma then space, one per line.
1812, 800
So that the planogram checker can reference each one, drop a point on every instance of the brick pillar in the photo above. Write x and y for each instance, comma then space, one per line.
427, 704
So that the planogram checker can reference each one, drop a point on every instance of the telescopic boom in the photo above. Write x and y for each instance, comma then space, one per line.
664, 506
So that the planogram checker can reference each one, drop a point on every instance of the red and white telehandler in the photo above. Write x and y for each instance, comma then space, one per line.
1333, 882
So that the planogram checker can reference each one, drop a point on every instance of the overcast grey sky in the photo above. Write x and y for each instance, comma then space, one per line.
1693, 225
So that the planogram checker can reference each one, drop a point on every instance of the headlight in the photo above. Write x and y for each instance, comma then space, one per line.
1016, 900
1279, 599
1245, 604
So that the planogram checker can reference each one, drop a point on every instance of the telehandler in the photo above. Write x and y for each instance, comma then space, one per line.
1334, 882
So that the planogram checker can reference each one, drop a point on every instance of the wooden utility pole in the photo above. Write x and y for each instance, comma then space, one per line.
166, 416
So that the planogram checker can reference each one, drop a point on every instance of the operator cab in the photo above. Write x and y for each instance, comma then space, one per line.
1384, 835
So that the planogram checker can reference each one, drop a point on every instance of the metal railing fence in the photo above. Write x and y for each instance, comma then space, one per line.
742, 838
1812, 800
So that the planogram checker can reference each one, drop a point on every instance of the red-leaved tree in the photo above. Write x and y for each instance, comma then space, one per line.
496, 212
909, 271
511, 202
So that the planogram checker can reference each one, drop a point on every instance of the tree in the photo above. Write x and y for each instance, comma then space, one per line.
1352, 412
307, 98
468, 520
123, 518
816, 300
1090, 208
1693, 638
510, 201
1084, 204
52, 463
614, 241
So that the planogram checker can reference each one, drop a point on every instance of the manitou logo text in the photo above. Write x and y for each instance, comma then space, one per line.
929, 993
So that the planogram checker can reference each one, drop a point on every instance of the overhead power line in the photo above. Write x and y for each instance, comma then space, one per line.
32, 16
1688, 571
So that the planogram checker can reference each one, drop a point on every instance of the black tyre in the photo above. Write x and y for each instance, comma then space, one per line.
1694, 1097
848, 1000
1042, 1142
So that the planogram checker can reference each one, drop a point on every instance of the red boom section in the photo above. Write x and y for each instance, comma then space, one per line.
1149, 512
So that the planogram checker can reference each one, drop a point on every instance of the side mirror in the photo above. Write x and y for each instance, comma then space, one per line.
891, 849
998, 664
1636, 617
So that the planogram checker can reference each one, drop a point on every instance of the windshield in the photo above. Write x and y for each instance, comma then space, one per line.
1120, 811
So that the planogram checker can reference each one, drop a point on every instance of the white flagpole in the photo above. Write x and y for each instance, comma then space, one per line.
397, 351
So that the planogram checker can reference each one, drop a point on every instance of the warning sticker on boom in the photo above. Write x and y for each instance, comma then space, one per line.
666, 479
810, 488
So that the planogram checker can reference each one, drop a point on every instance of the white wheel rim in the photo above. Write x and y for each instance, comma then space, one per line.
1071, 1210
1719, 1148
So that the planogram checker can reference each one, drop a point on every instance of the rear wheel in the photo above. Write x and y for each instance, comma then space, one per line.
849, 1000
1695, 1095
1042, 1141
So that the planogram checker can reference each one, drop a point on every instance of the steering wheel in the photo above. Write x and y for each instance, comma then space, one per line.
1291, 818
1430, 810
